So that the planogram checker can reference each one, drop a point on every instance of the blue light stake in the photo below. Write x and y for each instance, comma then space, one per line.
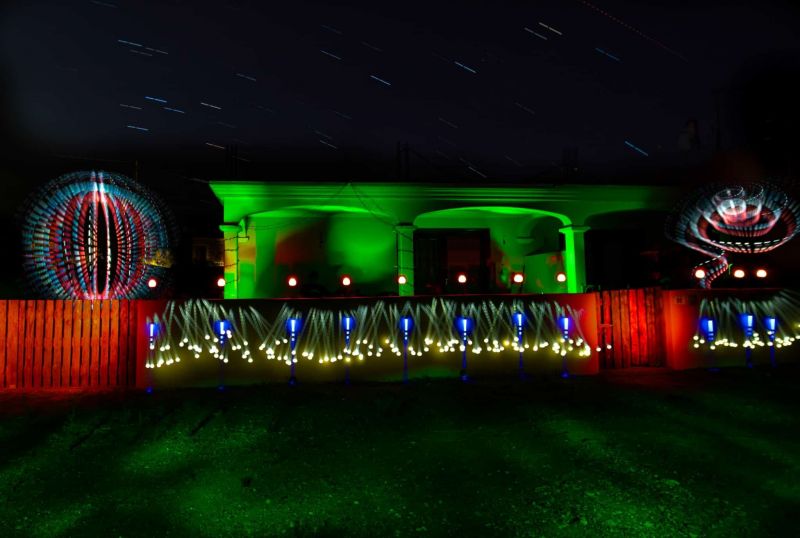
348, 322
406, 324
771, 323
748, 323
709, 328
564, 325
519, 319
152, 336
464, 326
293, 328
221, 329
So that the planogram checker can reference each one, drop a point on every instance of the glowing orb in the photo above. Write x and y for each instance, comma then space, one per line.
462, 278
561, 277
699, 274
761, 273
346, 280
152, 283
751, 218
402, 279
292, 282
96, 235
518, 278
221, 282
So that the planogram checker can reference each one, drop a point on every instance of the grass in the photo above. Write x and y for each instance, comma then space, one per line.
624, 454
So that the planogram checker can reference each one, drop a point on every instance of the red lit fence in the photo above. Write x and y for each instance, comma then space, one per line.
64, 344
632, 323
47, 344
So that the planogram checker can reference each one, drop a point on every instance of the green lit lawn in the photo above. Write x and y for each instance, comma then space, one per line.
686, 454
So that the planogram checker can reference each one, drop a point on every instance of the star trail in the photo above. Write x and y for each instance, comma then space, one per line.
506, 90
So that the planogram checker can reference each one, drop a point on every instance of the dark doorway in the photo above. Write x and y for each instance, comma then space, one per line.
440, 255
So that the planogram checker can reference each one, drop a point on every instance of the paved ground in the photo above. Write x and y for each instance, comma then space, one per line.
636, 453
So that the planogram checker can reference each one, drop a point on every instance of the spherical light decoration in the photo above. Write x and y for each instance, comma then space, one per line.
700, 273
749, 218
761, 273
518, 278
401, 279
292, 281
96, 235
738, 273
221, 282
561, 277
461, 278
346, 281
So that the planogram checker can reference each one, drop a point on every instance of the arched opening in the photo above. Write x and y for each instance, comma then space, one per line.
479, 249
317, 245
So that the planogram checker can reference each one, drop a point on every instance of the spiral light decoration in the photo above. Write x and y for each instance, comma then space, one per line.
750, 218
95, 235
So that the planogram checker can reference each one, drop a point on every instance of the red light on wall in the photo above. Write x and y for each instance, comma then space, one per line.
292, 281
561, 276
761, 273
517, 278
221, 282
346, 281
738, 273
700, 274
461, 278
401, 279
152, 283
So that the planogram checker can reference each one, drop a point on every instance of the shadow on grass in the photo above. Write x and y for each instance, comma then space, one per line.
550, 458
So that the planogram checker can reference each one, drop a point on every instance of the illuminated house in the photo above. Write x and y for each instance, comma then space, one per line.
430, 234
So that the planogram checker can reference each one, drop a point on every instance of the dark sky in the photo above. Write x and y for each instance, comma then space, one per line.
304, 89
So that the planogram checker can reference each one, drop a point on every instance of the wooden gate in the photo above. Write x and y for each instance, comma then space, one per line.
62, 344
632, 323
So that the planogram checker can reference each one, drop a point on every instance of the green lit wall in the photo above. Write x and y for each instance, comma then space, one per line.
365, 230
326, 240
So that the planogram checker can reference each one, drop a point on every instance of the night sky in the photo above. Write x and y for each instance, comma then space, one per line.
326, 90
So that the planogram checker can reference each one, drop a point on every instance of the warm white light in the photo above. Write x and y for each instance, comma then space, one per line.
221, 282
462, 278
700, 274
401, 279
518, 278
738, 273
292, 281
152, 283
761, 273
346, 280
561, 276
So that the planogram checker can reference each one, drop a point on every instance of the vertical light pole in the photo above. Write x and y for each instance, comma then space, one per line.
771, 323
293, 329
152, 336
464, 327
564, 325
222, 329
348, 323
518, 319
709, 328
748, 323
406, 324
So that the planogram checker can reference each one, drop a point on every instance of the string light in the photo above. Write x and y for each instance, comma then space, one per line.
493, 323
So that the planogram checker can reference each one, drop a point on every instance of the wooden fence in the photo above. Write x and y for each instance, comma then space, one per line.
632, 322
62, 344
48, 344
